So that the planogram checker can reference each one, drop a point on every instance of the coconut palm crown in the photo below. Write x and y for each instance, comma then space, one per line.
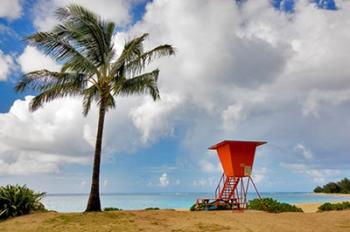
83, 43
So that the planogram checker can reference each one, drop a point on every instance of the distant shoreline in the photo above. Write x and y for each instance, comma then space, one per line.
334, 194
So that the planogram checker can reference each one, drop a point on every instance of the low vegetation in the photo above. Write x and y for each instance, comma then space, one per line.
342, 186
152, 208
334, 206
272, 206
203, 206
111, 209
16, 200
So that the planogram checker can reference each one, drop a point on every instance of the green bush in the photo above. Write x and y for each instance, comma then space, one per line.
272, 206
18, 200
203, 206
111, 209
152, 208
334, 206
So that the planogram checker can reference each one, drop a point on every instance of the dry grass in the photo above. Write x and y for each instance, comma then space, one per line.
175, 221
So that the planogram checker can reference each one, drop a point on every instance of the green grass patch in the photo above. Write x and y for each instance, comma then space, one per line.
272, 206
16, 200
334, 206
152, 208
111, 209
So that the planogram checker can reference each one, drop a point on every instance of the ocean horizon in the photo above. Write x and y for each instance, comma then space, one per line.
76, 202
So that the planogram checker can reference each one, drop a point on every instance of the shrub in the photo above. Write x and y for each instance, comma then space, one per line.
111, 209
18, 200
152, 208
203, 206
272, 206
334, 206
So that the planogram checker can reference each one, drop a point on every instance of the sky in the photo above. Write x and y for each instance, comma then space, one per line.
276, 71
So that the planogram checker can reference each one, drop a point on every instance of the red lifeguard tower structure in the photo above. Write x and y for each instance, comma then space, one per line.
237, 158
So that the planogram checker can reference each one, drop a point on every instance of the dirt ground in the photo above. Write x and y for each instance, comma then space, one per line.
176, 221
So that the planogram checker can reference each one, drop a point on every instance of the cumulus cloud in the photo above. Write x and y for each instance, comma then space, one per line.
6, 65
43, 141
115, 10
205, 182
57, 134
164, 180
254, 72
317, 175
33, 59
239, 73
306, 153
318, 98
11, 9
149, 112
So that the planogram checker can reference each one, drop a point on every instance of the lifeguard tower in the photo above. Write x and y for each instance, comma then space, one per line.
237, 158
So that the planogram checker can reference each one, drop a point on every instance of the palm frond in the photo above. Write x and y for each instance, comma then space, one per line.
137, 65
141, 84
51, 85
132, 50
89, 95
53, 91
42, 79
62, 50
95, 34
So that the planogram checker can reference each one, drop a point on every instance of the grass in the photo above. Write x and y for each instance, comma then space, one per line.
177, 221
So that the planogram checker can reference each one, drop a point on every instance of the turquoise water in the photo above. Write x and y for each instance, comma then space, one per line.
77, 202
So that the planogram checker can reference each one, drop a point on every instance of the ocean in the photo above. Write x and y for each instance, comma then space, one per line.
131, 201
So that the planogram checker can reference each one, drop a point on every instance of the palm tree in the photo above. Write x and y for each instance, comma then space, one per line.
83, 44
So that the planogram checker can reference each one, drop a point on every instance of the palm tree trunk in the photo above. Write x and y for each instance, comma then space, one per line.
94, 203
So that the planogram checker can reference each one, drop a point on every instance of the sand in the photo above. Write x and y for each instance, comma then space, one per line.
180, 221
309, 207
335, 194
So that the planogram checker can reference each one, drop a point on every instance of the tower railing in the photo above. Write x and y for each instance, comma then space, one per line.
220, 185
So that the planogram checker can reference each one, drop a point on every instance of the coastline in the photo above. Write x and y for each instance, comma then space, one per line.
334, 194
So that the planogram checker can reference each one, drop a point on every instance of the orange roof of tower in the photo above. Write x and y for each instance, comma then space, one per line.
237, 157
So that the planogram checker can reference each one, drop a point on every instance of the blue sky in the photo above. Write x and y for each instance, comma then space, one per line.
274, 71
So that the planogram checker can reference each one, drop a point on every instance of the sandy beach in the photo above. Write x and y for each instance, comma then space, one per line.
180, 221
309, 207
334, 194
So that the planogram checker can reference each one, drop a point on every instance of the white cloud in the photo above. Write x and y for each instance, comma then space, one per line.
232, 116
316, 174
248, 73
317, 99
58, 134
32, 59
306, 153
43, 141
260, 175
164, 180
207, 183
209, 163
6, 66
115, 10
11, 9
151, 118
